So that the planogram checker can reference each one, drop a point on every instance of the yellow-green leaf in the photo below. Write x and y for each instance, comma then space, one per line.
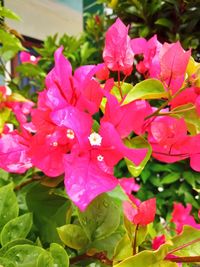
148, 89
137, 142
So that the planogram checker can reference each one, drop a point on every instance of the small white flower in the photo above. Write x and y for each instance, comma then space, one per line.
55, 144
95, 139
32, 58
70, 134
100, 158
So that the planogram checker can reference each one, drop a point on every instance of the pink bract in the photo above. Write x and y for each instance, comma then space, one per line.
143, 214
181, 216
26, 57
117, 53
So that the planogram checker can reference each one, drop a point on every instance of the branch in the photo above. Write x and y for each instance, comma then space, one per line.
99, 256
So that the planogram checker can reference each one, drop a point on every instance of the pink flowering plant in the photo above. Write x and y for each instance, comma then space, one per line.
84, 124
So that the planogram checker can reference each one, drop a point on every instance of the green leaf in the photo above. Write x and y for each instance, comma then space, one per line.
188, 235
123, 249
107, 244
73, 236
170, 178
4, 116
164, 22
148, 89
11, 244
146, 258
49, 211
7, 13
8, 205
16, 228
137, 142
10, 45
24, 255
45, 260
6, 263
59, 255
190, 115
101, 218
125, 89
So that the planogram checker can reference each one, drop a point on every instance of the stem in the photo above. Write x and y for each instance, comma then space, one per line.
4, 68
184, 259
119, 86
33, 179
155, 113
135, 240
184, 246
99, 256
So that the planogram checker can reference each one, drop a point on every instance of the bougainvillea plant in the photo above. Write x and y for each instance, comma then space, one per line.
84, 123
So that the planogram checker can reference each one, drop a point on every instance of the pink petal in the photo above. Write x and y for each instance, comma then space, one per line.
84, 181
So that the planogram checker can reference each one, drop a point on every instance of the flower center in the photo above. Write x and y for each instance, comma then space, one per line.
32, 58
95, 139
55, 144
70, 134
100, 158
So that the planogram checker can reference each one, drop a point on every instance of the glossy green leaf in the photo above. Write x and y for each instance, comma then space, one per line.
107, 244
188, 235
123, 249
8, 205
170, 178
137, 142
147, 89
7, 13
11, 244
190, 115
125, 89
24, 255
49, 211
73, 236
16, 228
45, 260
59, 255
10, 45
146, 258
6, 263
164, 22
101, 218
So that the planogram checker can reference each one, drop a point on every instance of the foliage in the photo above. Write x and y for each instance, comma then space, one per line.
61, 202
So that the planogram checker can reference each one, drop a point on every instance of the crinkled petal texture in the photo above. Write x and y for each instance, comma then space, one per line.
118, 54
61, 76
78, 121
84, 180
169, 140
126, 118
47, 154
13, 153
141, 215
146, 212
172, 68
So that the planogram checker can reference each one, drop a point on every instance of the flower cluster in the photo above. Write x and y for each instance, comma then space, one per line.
65, 135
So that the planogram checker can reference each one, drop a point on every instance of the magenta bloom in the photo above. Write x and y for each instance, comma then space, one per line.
90, 165
118, 54
169, 139
143, 214
158, 241
14, 152
26, 57
181, 216
126, 118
